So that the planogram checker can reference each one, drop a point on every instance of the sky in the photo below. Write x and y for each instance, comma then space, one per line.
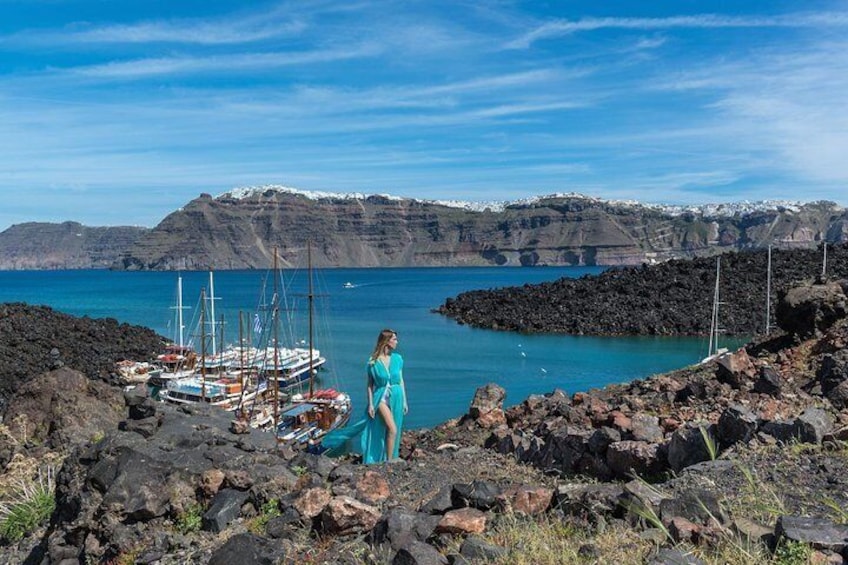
119, 113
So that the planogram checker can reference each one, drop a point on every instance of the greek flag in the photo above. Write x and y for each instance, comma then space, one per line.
257, 324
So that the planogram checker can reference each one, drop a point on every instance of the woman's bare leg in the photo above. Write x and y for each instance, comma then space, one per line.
391, 429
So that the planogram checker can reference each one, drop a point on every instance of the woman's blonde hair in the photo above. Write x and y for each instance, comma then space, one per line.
382, 341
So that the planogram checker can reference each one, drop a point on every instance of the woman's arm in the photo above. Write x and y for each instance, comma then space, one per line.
370, 389
403, 388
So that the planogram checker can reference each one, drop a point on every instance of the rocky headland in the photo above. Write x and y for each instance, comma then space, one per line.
241, 228
69, 245
672, 298
741, 460
37, 339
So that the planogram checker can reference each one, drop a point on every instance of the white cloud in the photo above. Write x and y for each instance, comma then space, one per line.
142, 68
558, 28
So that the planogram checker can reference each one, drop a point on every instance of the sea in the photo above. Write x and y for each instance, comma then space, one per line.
444, 362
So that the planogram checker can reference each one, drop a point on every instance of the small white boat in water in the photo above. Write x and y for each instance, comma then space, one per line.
349, 285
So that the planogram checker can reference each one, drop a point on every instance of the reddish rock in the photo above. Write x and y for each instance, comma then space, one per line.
462, 521
211, 481
526, 499
769, 410
682, 530
736, 369
596, 409
669, 424
238, 479
492, 419
619, 421
344, 515
372, 488
486, 399
312, 502
579, 398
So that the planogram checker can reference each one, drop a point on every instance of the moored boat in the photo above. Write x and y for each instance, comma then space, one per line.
136, 372
297, 418
178, 361
308, 419
225, 392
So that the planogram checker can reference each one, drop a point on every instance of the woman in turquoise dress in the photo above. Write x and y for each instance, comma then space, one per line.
381, 427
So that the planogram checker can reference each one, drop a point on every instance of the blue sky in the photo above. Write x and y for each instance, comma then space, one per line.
117, 113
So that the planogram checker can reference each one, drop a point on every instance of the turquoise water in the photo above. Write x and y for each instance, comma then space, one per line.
444, 361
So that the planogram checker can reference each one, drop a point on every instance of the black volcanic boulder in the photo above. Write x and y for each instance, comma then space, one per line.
63, 408
808, 310
833, 375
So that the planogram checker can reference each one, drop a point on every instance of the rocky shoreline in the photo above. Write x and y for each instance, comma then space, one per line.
672, 298
741, 460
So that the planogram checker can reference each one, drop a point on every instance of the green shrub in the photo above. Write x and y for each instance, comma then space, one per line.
270, 509
792, 553
29, 506
191, 520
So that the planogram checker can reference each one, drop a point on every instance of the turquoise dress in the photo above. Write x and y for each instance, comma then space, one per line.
387, 386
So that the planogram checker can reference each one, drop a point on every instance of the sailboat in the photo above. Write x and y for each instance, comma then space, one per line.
302, 418
714, 351
179, 359
214, 385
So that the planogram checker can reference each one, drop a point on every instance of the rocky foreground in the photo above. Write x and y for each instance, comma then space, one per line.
672, 298
742, 460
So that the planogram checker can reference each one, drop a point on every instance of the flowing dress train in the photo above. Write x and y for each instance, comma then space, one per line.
387, 386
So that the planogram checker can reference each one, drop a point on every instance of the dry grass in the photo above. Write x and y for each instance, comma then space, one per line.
547, 541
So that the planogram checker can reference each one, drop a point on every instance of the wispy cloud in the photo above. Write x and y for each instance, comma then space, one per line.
559, 28
235, 29
143, 68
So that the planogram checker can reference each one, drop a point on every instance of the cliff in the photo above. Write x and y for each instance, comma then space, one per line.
68, 245
240, 229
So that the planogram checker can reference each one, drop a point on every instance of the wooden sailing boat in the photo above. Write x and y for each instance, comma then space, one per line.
213, 385
309, 417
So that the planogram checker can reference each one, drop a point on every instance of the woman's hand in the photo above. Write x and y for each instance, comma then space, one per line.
371, 412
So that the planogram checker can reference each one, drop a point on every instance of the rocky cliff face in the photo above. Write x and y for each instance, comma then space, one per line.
64, 246
241, 230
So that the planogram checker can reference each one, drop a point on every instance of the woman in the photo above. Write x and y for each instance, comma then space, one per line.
381, 428
386, 401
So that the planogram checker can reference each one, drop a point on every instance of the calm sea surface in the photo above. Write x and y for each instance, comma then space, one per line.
444, 361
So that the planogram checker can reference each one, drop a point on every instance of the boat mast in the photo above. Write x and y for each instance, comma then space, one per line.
180, 309
310, 298
241, 366
179, 338
714, 320
212, 309
275, 317
203, 344
768, 293
221, 341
